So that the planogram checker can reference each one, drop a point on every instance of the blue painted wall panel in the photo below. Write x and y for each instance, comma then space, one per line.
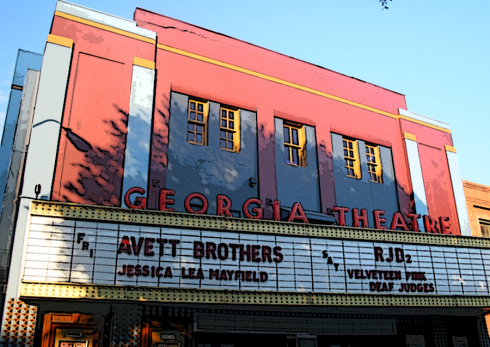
296, 183
26, 60
361, 193
210, 170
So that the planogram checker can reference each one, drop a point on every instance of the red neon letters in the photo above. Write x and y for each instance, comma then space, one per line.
252, 208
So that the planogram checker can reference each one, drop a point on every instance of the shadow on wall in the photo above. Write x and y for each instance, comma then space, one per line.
209, 169
100, 173
158, 152
297, 183
361, 192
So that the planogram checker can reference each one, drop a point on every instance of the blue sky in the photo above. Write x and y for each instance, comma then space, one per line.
434, 52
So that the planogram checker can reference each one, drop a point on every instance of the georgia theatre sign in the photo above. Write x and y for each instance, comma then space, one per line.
152, 256
252, 209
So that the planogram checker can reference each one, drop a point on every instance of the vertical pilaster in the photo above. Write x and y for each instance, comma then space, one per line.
15, 171
41, 159
137, 156
12, 333
457, 183
25, 61
416, 177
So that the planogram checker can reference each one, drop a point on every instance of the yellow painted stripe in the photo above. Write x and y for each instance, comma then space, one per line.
59, 40
424, 123
16, 87
409, 136
104, 27
293, 85
273, 79
450, 148
144, 63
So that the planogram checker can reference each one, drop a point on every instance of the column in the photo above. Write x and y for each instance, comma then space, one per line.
457, 183
416, 177
137, 156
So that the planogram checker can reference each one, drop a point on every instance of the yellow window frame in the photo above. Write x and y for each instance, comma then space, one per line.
229, 126
374, 163
195, 109
351, 158
290, 147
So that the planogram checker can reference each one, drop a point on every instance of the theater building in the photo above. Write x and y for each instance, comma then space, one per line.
172, 186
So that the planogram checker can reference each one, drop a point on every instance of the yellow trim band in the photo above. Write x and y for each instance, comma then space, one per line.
246, 71
273, 79
144, 63
294, 85
59, 40
104, 27
16, 87
409, 136
424, 123
67, 291
450, 148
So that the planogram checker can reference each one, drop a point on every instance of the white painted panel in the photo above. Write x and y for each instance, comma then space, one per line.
424, 118
41, 158
137, 155
103, 18
19, 249
457, 183
417, 180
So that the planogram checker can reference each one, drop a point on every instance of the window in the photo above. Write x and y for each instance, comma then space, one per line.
374, 163
351, 157
485, 228
229, 138
294, 144
197, 121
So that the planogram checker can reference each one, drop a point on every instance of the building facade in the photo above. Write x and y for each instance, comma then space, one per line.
179, 187
478, 206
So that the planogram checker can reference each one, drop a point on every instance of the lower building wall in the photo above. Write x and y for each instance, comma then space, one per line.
83, 278
56, 323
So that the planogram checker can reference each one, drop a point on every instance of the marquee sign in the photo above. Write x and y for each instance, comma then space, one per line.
103, 253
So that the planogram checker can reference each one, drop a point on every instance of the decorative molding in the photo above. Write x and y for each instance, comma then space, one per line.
167, 295
103, 18
409, 136
417, 118
144, 63
59, 40
477, 202
104, 27
450, 148
475, 186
